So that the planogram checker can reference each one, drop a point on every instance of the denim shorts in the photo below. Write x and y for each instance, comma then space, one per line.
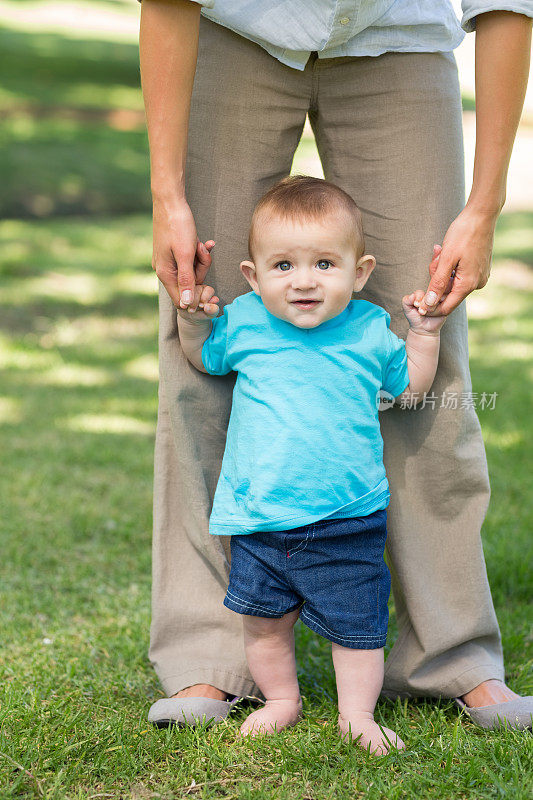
333, 570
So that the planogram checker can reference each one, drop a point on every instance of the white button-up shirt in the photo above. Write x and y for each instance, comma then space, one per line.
291, 29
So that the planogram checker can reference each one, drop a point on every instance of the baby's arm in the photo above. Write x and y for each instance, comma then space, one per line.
194, 324
422, 347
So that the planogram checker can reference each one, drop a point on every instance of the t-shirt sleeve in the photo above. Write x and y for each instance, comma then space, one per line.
395, 372
215, 348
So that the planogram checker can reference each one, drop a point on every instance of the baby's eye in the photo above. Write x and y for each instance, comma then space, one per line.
324, 261
282, 264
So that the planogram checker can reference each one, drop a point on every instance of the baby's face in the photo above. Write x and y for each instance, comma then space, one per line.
305, 272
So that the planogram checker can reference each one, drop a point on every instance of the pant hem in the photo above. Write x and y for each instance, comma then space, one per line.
471, 678
225, 680
463, 683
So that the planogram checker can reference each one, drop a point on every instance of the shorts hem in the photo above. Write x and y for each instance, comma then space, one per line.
241, 606
355, 642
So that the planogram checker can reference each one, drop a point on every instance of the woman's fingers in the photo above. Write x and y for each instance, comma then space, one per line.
452, 299
174, 249
440, 270
437, 250
202, 262
167, 273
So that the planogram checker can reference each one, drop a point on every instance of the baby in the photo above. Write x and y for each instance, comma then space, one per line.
302, 490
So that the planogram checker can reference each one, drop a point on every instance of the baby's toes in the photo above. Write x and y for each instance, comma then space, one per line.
369, 736
393, 738
252, 726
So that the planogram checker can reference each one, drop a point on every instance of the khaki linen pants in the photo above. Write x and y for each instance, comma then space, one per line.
388, 130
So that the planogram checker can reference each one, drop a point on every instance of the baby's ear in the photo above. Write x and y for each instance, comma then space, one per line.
248, 270
363, 270
368, 262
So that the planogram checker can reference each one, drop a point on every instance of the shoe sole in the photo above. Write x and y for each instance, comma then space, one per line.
169, 722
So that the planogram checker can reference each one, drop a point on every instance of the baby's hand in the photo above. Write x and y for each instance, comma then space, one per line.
425, 323
203, 306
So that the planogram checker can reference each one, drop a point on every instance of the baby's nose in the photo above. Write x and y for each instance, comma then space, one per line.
303, 280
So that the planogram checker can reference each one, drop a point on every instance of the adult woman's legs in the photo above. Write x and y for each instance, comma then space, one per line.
389, 132
247, 115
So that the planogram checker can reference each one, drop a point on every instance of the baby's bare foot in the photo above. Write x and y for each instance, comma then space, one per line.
372, 736
273, 716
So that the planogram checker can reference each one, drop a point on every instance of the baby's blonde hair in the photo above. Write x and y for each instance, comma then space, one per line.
302, 198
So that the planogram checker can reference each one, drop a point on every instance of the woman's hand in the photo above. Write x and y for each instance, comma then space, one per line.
464, 262
179, 259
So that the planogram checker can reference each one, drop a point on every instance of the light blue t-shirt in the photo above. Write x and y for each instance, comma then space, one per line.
303, 441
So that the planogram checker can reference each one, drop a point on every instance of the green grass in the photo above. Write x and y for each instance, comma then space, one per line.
78, 311
71, 126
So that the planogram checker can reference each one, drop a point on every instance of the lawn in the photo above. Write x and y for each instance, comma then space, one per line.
78, 364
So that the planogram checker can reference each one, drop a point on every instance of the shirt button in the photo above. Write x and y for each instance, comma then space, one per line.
344, 20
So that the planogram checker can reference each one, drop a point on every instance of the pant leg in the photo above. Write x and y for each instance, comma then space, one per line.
247, 115
389, 132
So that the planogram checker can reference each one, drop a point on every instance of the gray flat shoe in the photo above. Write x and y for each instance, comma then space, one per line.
183, 711
513, 714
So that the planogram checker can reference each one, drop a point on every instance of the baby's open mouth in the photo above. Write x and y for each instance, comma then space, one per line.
305, 303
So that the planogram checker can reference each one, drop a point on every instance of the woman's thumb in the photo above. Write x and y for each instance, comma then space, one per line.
186, 282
